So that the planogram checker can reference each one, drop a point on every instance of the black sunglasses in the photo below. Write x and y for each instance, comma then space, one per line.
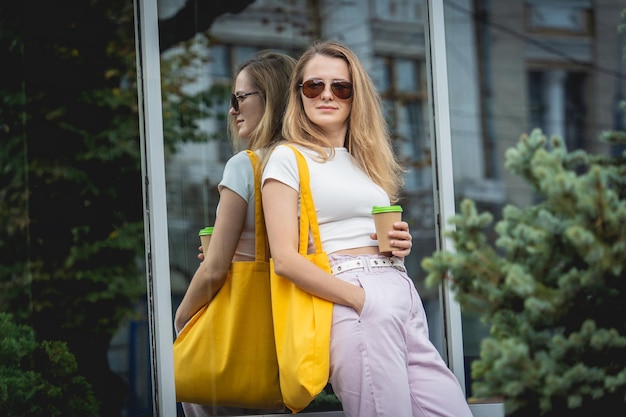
313, 88
235, 99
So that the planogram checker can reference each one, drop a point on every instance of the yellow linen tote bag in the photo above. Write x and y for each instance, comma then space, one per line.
302, 321
225, 355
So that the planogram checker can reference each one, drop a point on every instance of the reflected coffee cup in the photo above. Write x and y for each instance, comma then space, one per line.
205, 236
384, 218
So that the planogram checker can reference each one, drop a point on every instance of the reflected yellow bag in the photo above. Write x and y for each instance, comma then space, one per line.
225, 355
302, 321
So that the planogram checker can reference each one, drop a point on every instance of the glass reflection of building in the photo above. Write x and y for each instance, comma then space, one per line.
512, 65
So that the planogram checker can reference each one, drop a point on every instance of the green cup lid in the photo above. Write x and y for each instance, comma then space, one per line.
386, 209
205, 231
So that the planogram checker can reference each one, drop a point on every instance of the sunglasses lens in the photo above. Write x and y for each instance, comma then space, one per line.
234, 103
312, 88
342, 90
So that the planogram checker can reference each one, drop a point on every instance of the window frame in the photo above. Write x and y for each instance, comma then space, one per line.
155, 207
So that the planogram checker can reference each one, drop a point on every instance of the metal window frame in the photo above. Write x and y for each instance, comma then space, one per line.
443, 187
441, 142
155, 207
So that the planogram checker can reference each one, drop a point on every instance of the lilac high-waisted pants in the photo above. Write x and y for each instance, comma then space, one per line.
383, 363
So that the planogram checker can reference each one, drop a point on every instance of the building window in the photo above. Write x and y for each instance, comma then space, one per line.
402, 86
558, 19
557, 105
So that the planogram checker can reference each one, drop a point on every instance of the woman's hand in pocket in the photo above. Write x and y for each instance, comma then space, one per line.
359, 300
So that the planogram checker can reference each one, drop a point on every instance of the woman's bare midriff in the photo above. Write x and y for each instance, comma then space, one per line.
365, 250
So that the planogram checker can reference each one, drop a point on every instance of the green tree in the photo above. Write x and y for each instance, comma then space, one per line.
40, 379
70, 181
552, 288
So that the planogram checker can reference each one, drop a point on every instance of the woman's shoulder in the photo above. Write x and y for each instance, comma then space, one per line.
281, 163
282, 152
239, 159
287, 149
238, 175
238, 166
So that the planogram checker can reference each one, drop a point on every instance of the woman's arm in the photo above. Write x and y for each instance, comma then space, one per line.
211, 273
280, 205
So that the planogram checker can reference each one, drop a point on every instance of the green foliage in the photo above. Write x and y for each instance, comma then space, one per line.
324, 401
183, 112
70, 175
552, 287
39, 379
70, 179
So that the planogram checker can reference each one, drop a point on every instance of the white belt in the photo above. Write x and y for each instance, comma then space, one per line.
374, 262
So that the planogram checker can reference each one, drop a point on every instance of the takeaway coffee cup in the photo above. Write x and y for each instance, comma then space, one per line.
205, 237
384, 218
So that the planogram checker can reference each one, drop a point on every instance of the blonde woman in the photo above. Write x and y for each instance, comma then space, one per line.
257, 107
382, 362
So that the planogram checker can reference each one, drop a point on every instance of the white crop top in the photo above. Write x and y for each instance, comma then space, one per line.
342, 193
239, 178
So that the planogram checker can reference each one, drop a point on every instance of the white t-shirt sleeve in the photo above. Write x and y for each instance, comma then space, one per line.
282, 166
238, 176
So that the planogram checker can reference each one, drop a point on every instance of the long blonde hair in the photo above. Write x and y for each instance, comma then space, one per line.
270, 73
367, 138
